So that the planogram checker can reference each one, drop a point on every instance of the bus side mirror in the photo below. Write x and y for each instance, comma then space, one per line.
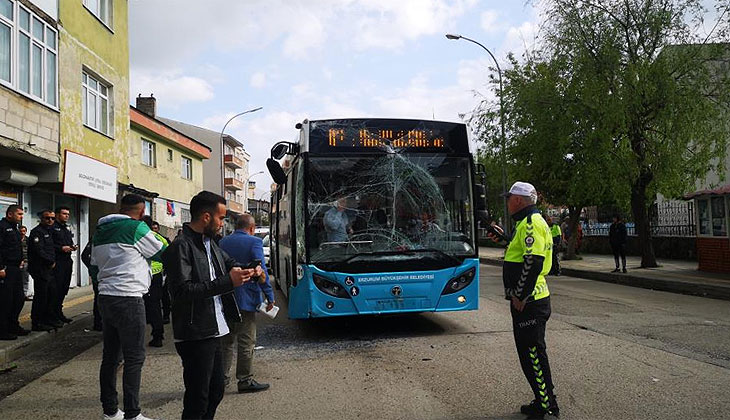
278, 151
277, 174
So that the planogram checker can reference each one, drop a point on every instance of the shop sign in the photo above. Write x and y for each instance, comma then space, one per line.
89, 177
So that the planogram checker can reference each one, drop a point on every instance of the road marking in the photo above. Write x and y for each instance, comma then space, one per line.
69, 304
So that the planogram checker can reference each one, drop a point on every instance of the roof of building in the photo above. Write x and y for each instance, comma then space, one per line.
723, 190
164, 130
204, 135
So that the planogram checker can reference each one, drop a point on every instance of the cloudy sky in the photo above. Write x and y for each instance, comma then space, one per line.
208, 60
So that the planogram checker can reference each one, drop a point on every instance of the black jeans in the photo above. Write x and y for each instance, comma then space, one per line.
44, 295
166, 302
203, 377
619, 250
62, 277
124, 328
12, 299
97, 313
529, 332
153, 306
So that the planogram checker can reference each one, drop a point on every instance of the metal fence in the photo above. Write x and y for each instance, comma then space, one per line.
669, 218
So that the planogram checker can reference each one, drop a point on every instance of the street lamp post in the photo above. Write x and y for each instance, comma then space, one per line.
507, 226
245, 185
223, 187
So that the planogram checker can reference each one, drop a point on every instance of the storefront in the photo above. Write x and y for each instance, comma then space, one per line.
713, 225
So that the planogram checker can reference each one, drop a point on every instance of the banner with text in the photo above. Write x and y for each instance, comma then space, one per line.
89, 177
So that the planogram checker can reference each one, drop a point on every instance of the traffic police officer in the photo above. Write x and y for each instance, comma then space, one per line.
63, 241
41, 261
557, 236
12, 297
526, 262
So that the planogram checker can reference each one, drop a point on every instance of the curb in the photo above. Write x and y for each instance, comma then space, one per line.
671, 286
36, 340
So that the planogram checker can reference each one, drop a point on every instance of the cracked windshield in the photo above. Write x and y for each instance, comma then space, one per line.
395, 205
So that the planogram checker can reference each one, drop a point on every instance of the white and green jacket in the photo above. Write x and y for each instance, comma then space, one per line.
120, 252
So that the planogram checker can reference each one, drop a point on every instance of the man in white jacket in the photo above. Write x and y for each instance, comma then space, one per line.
121, 248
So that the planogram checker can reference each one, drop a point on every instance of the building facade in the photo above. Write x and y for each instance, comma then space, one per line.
166, 164
226, 172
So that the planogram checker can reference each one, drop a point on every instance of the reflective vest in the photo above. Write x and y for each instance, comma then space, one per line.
532, 237
555, 230
156, 266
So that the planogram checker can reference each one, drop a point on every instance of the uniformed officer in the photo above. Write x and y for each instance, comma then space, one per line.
63, 241
526, 262
41, 261
12, 297
557, 236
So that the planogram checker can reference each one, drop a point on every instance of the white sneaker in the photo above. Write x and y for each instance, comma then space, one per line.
140, 417
118, 416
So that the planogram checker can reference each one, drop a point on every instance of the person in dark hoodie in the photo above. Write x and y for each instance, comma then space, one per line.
201, 281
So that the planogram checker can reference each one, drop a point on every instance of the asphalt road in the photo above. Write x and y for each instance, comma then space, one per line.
617, 353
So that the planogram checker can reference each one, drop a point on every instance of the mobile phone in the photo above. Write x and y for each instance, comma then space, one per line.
254, 264
497, 233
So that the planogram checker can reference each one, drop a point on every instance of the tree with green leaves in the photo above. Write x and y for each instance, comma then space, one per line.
634, 94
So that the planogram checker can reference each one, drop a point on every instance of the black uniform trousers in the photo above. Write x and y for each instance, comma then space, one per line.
12, 299
529, 332
62, 277
44, 294
153, 306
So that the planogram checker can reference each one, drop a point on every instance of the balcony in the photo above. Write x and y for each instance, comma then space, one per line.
233, 184
234, 206
233, 161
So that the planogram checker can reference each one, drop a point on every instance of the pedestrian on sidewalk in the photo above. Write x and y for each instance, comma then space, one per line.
12, 298
246, 248
122, 246
63, 240
202, 278
526, 262
555, 232
41, 262
617, 238
86, 260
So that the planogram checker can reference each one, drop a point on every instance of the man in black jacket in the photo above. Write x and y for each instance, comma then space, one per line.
617, 238
12, 297
201, 280
41, 261
63, 239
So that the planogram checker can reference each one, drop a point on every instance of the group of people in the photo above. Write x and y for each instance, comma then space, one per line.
215, 291
44, 256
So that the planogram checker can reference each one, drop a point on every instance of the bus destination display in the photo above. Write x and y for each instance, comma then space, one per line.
363, 137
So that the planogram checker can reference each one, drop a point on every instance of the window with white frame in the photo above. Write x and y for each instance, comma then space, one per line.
95, 106
187, 167
712, 216
28, 53
149, 156
102, 9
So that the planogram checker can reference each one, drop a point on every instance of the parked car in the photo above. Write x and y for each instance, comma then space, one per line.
267, 252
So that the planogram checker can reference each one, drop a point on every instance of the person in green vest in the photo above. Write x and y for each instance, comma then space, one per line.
153, 298
557, 237
527, 260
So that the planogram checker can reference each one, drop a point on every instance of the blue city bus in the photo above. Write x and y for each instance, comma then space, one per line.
375, 216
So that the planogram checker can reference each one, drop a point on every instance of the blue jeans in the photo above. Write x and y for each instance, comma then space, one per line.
124, 329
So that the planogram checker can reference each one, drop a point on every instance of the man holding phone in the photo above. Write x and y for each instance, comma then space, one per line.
247, 250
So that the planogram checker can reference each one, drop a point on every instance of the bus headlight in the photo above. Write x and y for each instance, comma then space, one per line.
329, 287
459, 282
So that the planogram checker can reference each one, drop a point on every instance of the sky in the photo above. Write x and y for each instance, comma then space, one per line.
206, 61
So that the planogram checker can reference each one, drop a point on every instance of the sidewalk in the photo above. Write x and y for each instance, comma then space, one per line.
77, 306
676, 276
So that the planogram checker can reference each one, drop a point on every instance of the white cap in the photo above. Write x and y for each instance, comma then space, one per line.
524, 189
